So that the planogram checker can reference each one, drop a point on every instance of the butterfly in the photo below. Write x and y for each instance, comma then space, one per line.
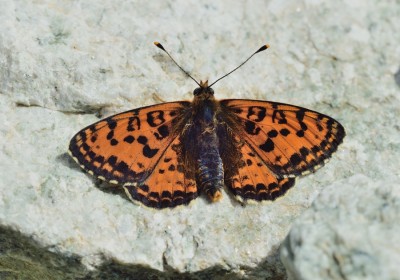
168, 154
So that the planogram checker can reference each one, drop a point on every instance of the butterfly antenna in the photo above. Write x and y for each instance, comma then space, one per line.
183, 70
263, 48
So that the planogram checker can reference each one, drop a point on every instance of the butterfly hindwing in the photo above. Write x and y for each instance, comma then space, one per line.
290, 140
125, 148
254, 181
172, 183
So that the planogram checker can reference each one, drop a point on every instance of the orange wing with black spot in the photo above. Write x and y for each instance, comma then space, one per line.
254, 181
171, 184
283, 140
129, 147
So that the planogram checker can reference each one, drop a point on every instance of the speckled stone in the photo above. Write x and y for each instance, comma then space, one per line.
350, 232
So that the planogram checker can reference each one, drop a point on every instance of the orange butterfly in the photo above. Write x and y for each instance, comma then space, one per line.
167, 154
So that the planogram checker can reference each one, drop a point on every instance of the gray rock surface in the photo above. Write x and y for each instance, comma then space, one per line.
351, 231
64, 64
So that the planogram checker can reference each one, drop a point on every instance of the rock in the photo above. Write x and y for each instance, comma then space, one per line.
64, 65
350, 232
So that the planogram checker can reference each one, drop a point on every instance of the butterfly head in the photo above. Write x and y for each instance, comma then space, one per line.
204, 90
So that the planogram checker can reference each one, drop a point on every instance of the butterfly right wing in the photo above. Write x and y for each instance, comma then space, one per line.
246, 174
290, 140
272, 143
253, 180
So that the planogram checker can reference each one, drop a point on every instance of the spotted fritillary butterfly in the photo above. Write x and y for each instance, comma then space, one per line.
167, 154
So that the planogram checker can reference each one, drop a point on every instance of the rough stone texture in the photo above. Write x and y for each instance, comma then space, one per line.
350, 232
64, 64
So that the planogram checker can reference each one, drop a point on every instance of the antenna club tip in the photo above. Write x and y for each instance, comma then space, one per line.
263, 48
157, 44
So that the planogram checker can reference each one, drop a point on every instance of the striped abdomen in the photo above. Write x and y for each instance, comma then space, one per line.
210, 172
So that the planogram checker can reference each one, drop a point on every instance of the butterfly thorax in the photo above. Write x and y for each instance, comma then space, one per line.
209, 168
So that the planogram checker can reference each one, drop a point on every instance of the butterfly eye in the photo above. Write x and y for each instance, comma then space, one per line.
197, 91
200, 90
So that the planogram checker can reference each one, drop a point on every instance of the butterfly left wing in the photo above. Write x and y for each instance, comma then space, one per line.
125, 148
290, 140
172, 182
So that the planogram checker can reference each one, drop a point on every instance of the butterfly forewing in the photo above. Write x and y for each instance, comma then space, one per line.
126, 147
290, 140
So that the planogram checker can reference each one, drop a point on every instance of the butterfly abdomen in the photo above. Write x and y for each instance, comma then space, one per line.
210, 172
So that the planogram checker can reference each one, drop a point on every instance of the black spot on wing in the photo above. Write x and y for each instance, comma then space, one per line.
251, 128
279, 115
110, 135
112, 124
133, 124
129, 139
268, 146
85, 147
300, 115
122, 167
272, 133
295, 159
304, 151
300, 133
112, 160
155, 118
149, 152
256, 113
163, 132
284, 132
142, 140
99, 159
167, 159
